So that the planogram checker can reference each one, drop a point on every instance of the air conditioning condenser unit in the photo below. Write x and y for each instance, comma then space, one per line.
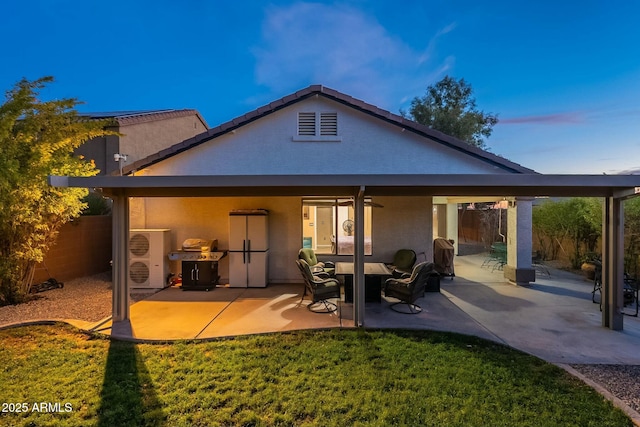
148, 260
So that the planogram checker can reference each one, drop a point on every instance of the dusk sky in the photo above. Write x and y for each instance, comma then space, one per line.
563, 76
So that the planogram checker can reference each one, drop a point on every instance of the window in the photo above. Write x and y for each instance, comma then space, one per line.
328, 226
317, 127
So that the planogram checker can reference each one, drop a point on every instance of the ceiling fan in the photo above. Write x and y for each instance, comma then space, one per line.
366, 203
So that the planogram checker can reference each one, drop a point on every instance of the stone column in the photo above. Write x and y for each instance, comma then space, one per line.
519, 242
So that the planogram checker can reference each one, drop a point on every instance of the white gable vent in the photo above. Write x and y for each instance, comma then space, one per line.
307, 124
318, 127
328, 124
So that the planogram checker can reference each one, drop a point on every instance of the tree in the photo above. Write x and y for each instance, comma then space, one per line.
449, 107
37, 139
632, 236
577, 220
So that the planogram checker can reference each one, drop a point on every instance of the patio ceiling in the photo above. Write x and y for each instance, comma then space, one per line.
497, 185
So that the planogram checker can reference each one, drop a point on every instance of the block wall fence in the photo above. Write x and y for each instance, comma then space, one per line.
83, 248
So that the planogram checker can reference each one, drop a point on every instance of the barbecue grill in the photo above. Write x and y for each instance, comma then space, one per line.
199, 259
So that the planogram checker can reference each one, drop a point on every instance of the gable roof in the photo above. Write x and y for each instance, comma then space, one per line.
334, 95
123, 118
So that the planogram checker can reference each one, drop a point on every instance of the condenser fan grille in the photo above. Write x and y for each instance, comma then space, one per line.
139, 272
139, 244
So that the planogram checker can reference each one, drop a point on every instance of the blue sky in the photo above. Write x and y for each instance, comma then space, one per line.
563, 76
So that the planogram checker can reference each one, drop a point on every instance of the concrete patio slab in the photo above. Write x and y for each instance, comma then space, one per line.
553, 318
164, 320
438, 314
276, 308
174, 314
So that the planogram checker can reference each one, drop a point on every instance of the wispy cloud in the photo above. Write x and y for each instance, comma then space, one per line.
547, 119
634, 171
597, 114
343, 48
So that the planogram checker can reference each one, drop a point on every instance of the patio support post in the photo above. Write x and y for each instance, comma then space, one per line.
519, 242
452, 225
120, 236
612, 263
358, 258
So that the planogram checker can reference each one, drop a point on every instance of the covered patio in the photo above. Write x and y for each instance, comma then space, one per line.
614, 189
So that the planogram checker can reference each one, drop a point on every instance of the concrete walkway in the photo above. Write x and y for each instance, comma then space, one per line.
553, 319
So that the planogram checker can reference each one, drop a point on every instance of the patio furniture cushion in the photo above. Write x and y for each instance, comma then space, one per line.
309, 256
403, 262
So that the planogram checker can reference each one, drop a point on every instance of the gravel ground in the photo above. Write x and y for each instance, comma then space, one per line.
619, 380
89, 298
86, 298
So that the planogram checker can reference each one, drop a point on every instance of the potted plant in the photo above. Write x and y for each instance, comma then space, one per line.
588, 266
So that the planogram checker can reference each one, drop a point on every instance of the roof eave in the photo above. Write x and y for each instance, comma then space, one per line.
529, 185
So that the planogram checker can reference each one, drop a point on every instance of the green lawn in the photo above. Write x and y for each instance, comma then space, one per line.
324, 378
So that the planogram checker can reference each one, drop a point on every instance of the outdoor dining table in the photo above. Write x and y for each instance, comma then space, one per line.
374, 274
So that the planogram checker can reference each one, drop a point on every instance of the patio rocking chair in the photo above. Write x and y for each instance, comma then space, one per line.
321, 287
409, 289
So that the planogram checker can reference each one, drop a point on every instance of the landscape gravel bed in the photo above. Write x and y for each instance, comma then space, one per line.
619, 380
85, 298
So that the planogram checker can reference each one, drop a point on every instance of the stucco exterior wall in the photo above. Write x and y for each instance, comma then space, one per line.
402, 223
367, 146
101, 151
143, 139
140, 140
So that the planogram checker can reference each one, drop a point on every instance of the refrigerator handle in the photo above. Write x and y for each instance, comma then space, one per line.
244, 251
249, 251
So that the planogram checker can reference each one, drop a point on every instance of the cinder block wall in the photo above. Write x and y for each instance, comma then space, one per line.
83, 248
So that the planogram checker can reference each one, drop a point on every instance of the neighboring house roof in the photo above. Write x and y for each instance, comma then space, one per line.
319, 90
124, 118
